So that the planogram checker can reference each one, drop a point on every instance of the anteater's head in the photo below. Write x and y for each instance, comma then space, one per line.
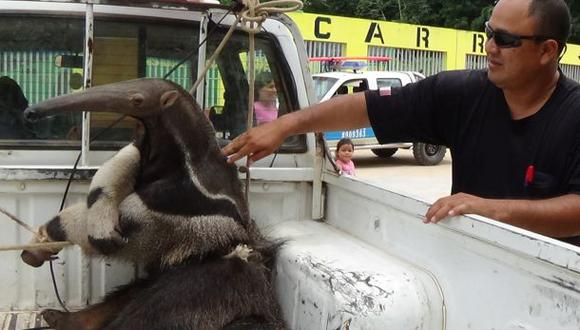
169, 113
176, 132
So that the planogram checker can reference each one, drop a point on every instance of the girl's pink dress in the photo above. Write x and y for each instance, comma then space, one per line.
346, 168
265, 112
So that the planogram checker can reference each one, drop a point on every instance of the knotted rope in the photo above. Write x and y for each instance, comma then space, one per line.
252, 12
256, 12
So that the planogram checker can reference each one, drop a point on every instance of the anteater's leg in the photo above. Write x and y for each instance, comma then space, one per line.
113, 182
97, 220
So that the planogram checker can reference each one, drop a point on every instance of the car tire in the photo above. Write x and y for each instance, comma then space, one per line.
384, 153
428, 154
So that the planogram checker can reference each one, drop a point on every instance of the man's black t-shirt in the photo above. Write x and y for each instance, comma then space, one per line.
491, 152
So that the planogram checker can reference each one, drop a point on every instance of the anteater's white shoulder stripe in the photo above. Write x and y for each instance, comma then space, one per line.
194, 178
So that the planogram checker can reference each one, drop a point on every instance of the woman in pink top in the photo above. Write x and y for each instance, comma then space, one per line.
266, 95
344, 151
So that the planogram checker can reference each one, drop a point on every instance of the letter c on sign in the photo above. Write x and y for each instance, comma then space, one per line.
317, 32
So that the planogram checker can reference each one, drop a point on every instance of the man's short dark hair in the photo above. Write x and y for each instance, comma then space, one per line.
553, 19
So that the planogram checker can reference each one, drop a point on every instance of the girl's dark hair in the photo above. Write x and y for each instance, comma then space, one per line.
263, 78
342, 142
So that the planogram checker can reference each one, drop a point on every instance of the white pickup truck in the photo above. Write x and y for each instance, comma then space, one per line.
330, 84
358, 256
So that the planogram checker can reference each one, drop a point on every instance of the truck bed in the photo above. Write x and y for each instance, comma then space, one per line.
21, 320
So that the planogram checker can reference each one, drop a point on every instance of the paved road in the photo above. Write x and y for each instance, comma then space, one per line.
401, 173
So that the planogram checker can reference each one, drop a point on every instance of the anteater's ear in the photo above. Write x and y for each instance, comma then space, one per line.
168, 99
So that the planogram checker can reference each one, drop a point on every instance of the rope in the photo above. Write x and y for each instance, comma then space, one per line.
253, 12
214, 55
20, 222
256, 12
43, 240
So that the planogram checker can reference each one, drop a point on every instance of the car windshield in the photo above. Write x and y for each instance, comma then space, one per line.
322, 85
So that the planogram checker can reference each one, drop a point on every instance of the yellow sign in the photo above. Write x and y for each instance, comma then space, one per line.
357, 34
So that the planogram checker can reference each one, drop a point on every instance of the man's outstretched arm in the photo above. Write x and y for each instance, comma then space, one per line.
554, 217
338, 113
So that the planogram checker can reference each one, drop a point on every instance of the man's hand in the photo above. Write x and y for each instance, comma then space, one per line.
257, 142
461, 203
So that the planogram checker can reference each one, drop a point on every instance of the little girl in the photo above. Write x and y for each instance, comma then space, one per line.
344, 151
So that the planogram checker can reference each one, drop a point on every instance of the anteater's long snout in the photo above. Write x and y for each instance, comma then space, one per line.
139, 98
75, 102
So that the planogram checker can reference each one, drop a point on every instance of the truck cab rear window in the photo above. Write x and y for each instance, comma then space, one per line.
42, 57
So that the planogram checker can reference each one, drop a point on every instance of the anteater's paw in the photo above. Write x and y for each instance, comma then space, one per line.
56, 319
108, 246
36, 258
65, 321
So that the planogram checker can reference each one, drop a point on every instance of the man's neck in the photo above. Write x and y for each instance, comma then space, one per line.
524, 102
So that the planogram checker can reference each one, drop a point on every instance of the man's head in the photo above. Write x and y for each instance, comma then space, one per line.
525, 40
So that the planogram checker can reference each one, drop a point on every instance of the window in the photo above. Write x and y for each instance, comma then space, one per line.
130, 50
352, 86
29, 47
322, 85
388, 82
229, 112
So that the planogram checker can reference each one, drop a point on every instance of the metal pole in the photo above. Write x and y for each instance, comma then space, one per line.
87, 82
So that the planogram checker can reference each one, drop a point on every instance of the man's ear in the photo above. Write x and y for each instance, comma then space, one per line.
549, 51
168, 99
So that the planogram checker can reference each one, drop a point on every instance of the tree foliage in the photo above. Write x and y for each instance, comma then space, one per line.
459, 14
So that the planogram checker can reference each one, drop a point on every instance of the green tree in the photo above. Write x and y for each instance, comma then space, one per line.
459, 14
331, 7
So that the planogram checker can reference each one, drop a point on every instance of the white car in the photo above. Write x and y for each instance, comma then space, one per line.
330, 84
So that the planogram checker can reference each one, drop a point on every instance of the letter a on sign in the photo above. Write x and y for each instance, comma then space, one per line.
374, 32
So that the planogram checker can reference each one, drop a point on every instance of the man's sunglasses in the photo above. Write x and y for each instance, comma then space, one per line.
508, 40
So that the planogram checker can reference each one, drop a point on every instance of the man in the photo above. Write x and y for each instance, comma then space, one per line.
513, 130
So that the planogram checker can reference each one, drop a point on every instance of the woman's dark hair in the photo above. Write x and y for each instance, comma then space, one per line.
263, 78
342, 142
553, 19
11, 94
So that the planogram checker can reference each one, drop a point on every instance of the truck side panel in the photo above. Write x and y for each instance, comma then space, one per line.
492, 275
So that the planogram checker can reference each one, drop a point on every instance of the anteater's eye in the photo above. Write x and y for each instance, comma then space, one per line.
136, 99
